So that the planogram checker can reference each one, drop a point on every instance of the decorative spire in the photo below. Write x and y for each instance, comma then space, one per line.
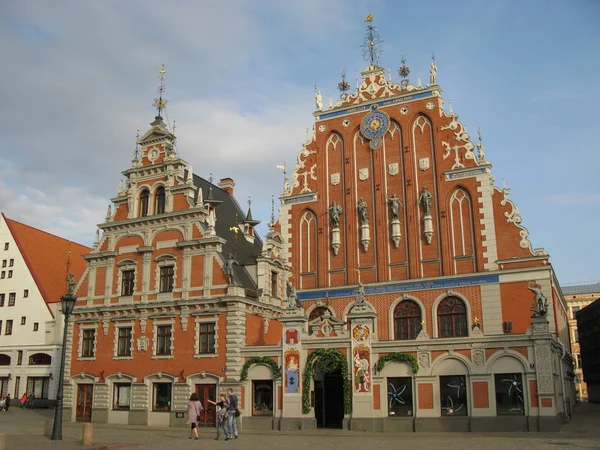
404, 71
432, 71
160, 103
343, 85
136, 150
272, 222
480, 152
210, 198
371, 44
97, 237
249, 220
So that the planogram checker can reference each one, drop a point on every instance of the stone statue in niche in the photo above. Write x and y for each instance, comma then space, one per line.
425, 201
229, 265
395, 205
334, 214
540, 302
362, 211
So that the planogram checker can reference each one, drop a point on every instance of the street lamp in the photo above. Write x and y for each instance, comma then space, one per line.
67, 303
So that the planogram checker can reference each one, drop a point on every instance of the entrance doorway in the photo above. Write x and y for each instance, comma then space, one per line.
205, 393
85, 395
329, 399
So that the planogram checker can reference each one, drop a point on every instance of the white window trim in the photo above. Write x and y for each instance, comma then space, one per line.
434, 311
125, 266
118, 326
199, 321
165, 261
82, 328
156, 324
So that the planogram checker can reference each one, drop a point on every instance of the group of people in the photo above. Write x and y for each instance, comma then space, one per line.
227, 412
26, 401
5, 403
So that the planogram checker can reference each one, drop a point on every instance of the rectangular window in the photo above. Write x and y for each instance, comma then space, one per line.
122, 396
163, 340
11, 262
162, 397
578, 359
9, 325
6, 246
124, 342
166, 278
4, 386
400, 397
36, 326
3, 274
274, 284
38, 386
17, 391
87, 343
509, 394
207, 338
10, 274
20, 358
23, 320
2, 298
262, 398
4, 262
453, 395
26, 293
11, 298
574, 309
0, 327
575, 335
127, 285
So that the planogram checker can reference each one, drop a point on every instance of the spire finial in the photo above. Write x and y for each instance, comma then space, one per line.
249, 201
174, 127
160, 103
404, 71
480, 152
432, 71
272, 222
371, 44
343, 85
136, 150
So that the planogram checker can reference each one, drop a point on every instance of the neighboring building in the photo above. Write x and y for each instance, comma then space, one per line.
32, 280
415, 280
588, 323
578, 297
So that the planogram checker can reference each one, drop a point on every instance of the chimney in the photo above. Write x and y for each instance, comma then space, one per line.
227, 184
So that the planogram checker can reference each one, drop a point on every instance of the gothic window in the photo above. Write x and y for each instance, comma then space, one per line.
509, 394
206, 341
167, 274
461, 227
407, 320
40, 359
308, 243
452, 318
318, 312
144, 199
127, 283
160, 200
124, 341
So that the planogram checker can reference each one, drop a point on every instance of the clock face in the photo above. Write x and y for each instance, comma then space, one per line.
373, 127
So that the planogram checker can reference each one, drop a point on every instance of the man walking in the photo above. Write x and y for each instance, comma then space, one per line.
231, 410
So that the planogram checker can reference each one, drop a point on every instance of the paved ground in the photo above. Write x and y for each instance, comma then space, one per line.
24, 430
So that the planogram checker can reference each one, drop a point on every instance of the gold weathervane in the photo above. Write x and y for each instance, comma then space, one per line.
369, 18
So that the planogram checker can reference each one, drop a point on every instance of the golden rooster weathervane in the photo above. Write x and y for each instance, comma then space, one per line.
369, 18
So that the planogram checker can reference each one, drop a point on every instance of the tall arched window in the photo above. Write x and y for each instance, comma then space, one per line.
144, 199
407, 320
160, 206
452, 318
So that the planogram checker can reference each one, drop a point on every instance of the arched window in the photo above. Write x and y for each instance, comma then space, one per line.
4, 360
40, 359
407, 320
160, 201
318, 312
144, 199
452, 318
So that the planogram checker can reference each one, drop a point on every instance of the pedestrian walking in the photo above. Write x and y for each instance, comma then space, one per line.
24, 400
233, 412
222, 424
7, 402
194, 408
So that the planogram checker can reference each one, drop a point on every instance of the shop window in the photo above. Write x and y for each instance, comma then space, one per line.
509, 394
163, 340
40, 359
122, 396
453, 395
262, 398
207, 338
38, 386
400, 396
407, 320
88, 343
452, 318
160, 200
124, 341
162, 397
167, 274
127, 283
12, 297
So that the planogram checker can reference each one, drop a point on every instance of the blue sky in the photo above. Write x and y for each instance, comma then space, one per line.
79, 79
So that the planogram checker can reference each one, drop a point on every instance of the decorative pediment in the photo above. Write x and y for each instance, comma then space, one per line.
327, 326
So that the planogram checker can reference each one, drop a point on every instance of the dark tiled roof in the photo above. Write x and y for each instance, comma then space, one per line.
246, 252
581, 289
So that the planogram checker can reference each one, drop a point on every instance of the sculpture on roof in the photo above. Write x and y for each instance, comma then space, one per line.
433, 72
318, 99
230, 263
540, 302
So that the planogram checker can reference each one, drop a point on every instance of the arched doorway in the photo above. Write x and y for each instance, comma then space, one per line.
329, 394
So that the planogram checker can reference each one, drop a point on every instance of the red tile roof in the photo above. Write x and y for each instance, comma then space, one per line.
46, 257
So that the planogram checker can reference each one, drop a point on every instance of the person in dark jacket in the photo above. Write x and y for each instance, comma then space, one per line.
7, 402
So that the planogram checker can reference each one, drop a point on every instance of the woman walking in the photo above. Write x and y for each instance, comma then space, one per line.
222, 417
194, 408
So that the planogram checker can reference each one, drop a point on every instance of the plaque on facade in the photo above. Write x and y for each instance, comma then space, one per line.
335, 179
393, 169
142, 344
363, 173
424, 163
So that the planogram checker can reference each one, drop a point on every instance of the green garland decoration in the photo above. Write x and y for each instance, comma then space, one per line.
264, 360
338, 362
398, 357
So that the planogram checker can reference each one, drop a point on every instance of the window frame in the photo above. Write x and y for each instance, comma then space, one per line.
144, 210
23, 320
208, 330
39, 359
163, 344
255, 411
36, 326
451, 302
168, 406
453, 390
399, 393
116, 406
87, 343
413, 329
8, 328
127, 282
25, 293
160, 200
126, 339
2, 299
166, 278
12, 298
503, 378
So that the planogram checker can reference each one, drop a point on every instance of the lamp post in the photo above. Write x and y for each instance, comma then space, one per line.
67, 302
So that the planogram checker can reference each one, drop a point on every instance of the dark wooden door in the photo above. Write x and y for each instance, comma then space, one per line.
85, 395
205, 393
